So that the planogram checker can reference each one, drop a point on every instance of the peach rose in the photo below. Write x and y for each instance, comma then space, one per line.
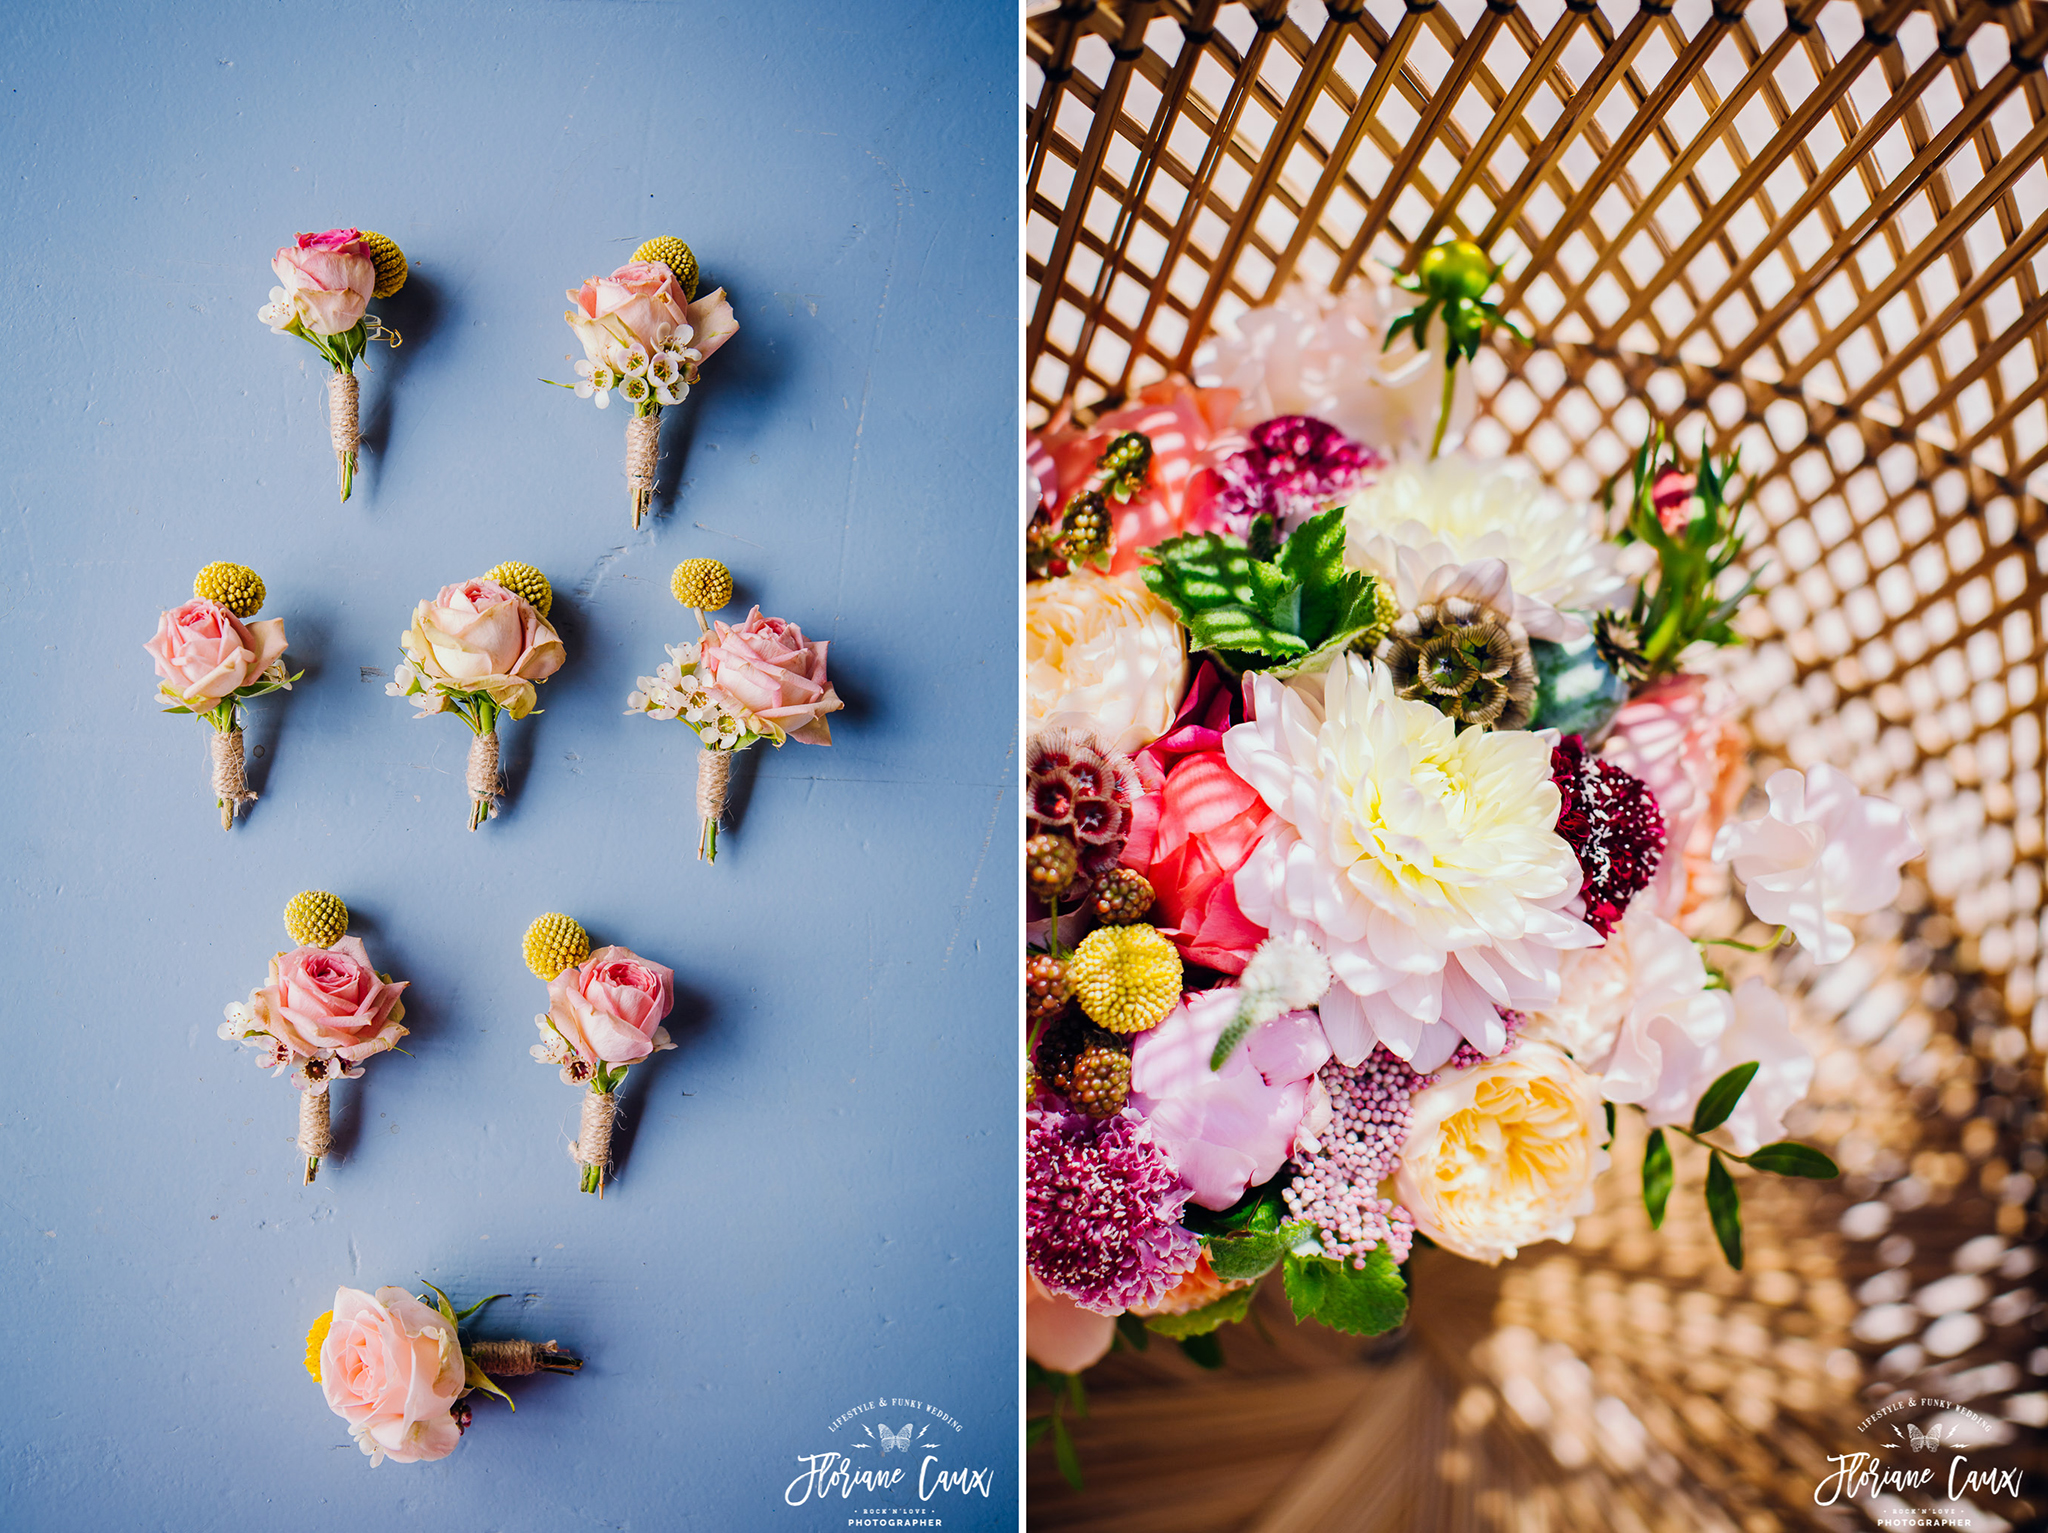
640, 304
775, 673
203, 652
609, 1006
1059, 1334
323, 1002
392, 1369
327, 280
480, 637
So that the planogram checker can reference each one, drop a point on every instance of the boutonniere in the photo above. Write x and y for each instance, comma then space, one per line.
478, 650
329, 280
212, 660
645, 332
321, 1013
604, 1015
760, 680
396, 1369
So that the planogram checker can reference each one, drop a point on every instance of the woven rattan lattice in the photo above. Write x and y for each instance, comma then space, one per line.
1818, 231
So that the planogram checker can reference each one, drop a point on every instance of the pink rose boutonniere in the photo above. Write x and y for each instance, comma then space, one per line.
322, 1012
604, 1015
395, 1368
645, 333
759, 680
328, 281
478, 650
210, 660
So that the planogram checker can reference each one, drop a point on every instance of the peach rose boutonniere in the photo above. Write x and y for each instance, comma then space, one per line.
321, 1013
478, 650
328, 281
759, 680
210, 659
645, 333
395, 1367
604, 1015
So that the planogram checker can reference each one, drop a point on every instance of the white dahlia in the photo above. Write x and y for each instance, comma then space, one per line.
1423, 861
1459, 512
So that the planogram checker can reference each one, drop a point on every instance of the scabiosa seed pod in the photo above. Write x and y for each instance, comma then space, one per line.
1465, 659
524, 580
235, 586
1123, 896
316, 918
1611, 821
553, 943
1127, 978
1079, 787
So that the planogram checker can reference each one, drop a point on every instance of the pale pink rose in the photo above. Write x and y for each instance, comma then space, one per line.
480, 637
639, 304
327, 279
1681, 737
1225, 1130
203, 652
324, 1002
712, 322
1059, 1334
1671, 497
609, 1007
775, 673
392, 1369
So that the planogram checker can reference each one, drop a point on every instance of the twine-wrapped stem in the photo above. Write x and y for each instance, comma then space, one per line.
714, 776
316, 1131
643, 452
230, 775
593, 1147
516, 1359
344, 427
485, 786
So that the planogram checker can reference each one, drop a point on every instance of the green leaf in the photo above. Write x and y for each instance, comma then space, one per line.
1203, 1351
1609, 1106
1656, 1177
1789, 1158
1035, 1430
1341, 1296
1132, 1328
1237, 1257
1064, 1454
1259, 1209
1077, 1394
1724, 1208
1227, 1310
1720, 1099
476, 1378
487, 1298
447, 1309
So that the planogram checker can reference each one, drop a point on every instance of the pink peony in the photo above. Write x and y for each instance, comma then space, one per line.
1193, 828
1059, 1334
1679, 735
327, 1002
327, 280
776, 675
392, 1369
1225, 1130
1181, 422
609, 1007
203, 652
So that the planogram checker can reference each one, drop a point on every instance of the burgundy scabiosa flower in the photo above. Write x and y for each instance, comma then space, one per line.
1611, 821
1102, 1209
1295, 466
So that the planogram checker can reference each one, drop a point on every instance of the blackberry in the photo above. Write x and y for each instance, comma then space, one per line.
1099, 1080
1126, 463
1046, 987
1087, 527
1050, 863
1122, 896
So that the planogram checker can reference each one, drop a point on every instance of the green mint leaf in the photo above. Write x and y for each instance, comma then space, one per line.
1236, 1257
1720, 1099
1724, 1208
1341, 1296
1789, 1158
1228, 1310
1656, 1177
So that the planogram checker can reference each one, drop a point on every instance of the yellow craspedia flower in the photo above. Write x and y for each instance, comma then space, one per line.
676, 256
235, 586
388, 259
316, 919
1127, 978
554, 943
314, 1340
524, 580
701, 583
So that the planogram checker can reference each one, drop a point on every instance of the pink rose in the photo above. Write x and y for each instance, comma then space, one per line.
775, 673
607, 1008
326, 1002
712, 323
480, 637
327, 280
392, 1369
1059, 1334
1679, 734
1194, 827
1671, 496
637, 304
1183, 424
1225, 1130
203, 652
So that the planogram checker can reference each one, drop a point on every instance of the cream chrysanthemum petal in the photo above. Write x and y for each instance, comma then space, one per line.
1422, 860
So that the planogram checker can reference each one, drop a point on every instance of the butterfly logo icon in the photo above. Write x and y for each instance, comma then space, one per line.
897, 1442
1923, 1442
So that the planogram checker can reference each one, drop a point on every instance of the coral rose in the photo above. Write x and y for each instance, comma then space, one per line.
775, 673
480, 637
1104, 647
203, 652
392, 1369
608, 1008
324, 1002
327, 280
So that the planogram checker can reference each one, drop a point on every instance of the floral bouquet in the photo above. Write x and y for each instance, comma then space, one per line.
478, 650
329, 280
761, 680
604, 1014
211, 661
395, 1368
1375, 798
645, 332
322, 1013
